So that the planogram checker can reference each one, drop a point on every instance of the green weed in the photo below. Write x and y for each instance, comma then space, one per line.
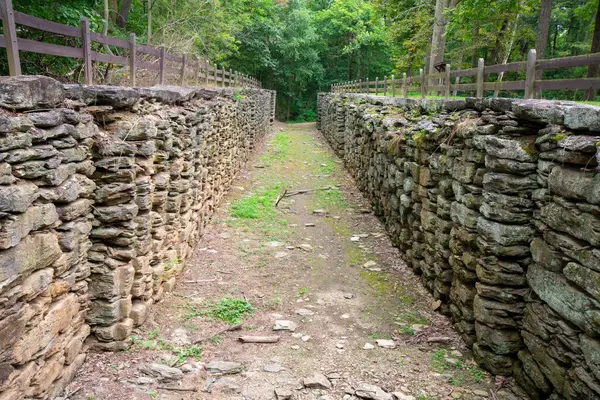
227, 310
412, 318
258, 205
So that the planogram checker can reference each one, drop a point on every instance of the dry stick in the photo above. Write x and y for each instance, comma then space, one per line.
201, 281
281, 196
303, 191
259, 339
235, 327
178, 389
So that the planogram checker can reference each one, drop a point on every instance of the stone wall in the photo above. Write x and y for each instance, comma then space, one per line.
104, 191
496, 203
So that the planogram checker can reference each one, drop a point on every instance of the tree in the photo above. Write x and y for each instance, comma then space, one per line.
438, 37
543, 29
592, 71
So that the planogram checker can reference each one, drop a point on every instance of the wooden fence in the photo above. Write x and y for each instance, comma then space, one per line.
200, 71
448, 82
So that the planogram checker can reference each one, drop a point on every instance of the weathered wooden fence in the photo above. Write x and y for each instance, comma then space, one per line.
200, 72
447, 82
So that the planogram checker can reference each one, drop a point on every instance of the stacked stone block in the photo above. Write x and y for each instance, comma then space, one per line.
496, 203
104, 192
46, 198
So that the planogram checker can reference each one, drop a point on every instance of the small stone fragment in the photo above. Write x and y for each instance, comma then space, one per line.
372, 392
284, 325
161, 371
223, 368
386, 343
317, 381
273, 368
368, 346
304, 312
283, 393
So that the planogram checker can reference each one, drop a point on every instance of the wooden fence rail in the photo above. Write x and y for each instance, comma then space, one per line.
187, 69
447, 82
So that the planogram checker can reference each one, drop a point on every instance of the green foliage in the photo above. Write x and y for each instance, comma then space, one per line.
256, 206
227, 310
154, 342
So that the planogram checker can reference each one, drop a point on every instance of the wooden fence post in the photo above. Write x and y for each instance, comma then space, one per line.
447, 82
216, 75
423, 87
222, 76
10, 38
480, 77
132, 58
231, 80
393, 86
404, 87
87, 51
530, 74
206, 70
456, 82
376, 85
162, 66
183, 62
385, 86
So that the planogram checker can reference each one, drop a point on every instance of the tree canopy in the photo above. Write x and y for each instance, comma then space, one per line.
300, 47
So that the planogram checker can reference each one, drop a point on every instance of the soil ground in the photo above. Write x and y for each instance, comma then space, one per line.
334, 266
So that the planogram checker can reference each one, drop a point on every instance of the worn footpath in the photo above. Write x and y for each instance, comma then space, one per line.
316, 277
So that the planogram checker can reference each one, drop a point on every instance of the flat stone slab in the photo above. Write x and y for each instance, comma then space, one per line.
161, 371
223, 368
284, 325
317, 381
386, 343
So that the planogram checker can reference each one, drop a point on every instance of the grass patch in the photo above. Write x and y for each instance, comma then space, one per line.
332, 199
463, 374
257, 205
380, 283
280, 148
412, 318
228, 310
154, 342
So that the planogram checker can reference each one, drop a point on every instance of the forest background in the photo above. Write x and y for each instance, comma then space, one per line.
301, 47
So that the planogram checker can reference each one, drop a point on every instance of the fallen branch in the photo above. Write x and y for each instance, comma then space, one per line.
201, 281
281, 196
439, 339
178, 389
236, 327
303, 191
259, 339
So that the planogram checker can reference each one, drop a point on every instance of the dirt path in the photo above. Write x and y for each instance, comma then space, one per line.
320, 260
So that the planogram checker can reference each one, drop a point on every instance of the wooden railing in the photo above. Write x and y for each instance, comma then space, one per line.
448, 83
156, 59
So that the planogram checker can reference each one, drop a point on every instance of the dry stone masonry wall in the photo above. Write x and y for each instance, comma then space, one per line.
496, 203
104, 191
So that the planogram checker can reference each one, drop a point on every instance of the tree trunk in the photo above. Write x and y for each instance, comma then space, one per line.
592, 72
475, 55
114, 11
124, 13
149, 21
437, 50
543, 30
105, 26
438, 38
511, 41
